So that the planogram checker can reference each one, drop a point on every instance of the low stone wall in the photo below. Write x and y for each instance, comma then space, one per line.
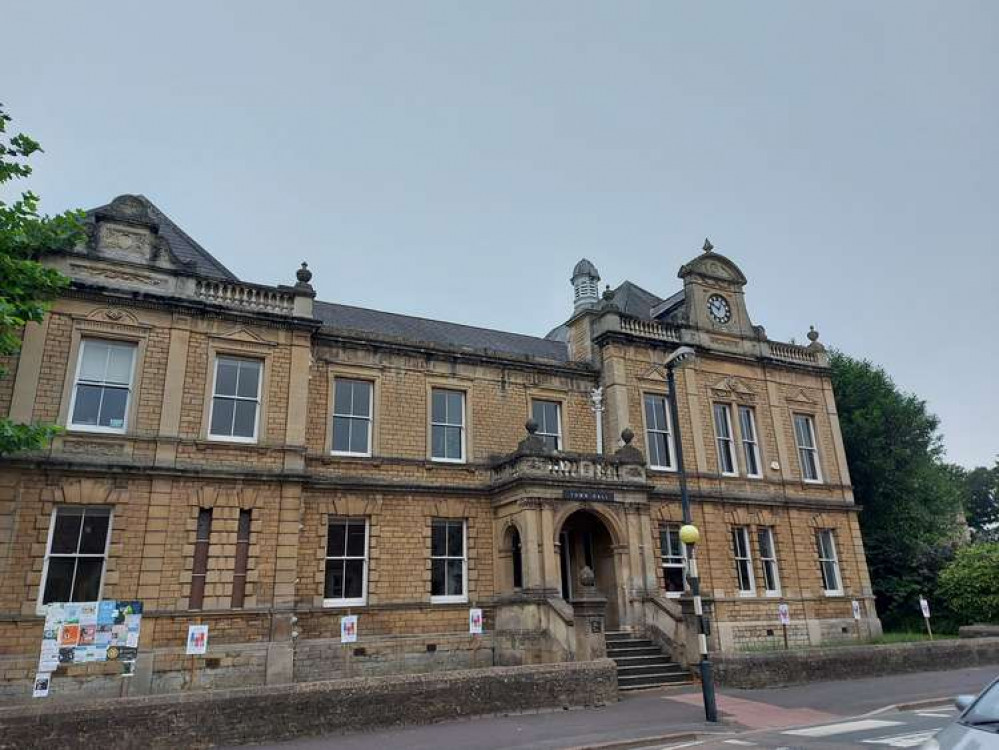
201, 720
774, 668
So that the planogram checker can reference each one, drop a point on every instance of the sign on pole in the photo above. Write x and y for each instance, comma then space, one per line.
42, 682
784, 615
925, 607
475, 621
856, 610
348, 629
197, 639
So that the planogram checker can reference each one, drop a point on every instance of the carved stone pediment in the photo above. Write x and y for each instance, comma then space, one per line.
244, 335
711, 265
733, 387
800, 396
655, 373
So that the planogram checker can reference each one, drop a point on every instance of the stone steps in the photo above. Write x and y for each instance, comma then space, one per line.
641, 664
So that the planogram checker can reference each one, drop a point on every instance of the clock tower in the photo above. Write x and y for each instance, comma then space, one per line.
714, 301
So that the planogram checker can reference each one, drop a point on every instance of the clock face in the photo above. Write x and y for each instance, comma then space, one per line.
719, 309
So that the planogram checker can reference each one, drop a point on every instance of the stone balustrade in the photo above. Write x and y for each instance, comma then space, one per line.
568, 468
791, 353
649, 329
249, 297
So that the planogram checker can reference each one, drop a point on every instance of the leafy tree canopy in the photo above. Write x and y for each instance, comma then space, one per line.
982, 501
968, 584
25, 284
911, 501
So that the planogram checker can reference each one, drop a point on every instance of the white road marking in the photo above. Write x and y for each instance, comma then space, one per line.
744, 743
843, 728
913, 739
934, 714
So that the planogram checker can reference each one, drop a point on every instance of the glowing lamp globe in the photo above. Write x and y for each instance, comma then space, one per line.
689, 534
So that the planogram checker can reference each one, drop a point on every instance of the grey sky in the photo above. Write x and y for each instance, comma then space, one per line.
454, 159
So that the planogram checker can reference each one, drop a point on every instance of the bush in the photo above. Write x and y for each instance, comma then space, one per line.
970, 583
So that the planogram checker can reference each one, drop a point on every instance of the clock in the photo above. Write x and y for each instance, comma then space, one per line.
719, 309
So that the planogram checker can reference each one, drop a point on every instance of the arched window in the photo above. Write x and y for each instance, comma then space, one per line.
517, 560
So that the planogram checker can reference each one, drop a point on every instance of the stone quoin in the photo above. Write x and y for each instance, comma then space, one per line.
251, 458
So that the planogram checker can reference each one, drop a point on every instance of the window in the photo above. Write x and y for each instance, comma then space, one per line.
673, 559
768, 560
808, 454
723, 438
549, 418
199, 569
659, 437
750, 443
447, 425
743, 561
242, 558
828, 562
447, 561
77, 553
236, 399
346, 562
103, 386
352, 417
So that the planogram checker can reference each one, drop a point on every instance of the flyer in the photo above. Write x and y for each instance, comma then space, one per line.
348, 629
475, 621
784, 614
197, 639
83, 632
41, 688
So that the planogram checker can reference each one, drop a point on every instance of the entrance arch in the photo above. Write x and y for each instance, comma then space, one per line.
584, 538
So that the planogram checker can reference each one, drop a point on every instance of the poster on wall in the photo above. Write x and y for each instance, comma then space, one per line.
856, 609
784, 614
348, 629
41, 688
82, 632
197, 639
475, 621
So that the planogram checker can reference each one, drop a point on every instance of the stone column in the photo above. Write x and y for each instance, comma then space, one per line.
173, 392
29, 365
281, 649
298, 404
589, 619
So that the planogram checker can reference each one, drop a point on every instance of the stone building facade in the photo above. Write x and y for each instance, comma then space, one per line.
251, 458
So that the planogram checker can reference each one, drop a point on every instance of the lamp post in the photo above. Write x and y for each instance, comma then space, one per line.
690, 536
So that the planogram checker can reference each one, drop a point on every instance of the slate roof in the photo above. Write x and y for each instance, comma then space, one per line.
393, 326
183, 246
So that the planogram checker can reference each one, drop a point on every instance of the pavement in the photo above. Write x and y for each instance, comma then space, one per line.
674, 718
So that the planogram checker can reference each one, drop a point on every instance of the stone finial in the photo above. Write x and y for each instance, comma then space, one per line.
303, 274
531, 426
532, 445
587, 577
627, 435
813, 338
628, 453
707, 247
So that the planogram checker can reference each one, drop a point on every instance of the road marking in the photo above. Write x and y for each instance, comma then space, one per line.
934, 714
843, 728
913, 739
744, 743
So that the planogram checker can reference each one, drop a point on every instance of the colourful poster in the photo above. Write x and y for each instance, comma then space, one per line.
475, 621
69, 635
348, 629
197, 639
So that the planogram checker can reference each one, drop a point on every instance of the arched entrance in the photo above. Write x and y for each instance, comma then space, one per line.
585, 540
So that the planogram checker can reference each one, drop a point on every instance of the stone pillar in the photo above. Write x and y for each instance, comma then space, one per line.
173, 392
29, 365
298, 406
281, 649
589, 619
551, 567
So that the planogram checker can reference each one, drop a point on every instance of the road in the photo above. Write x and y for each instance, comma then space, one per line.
757, 716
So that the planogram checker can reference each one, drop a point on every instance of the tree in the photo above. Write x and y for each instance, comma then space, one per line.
911, 502
982, 501
968, 584
25, 284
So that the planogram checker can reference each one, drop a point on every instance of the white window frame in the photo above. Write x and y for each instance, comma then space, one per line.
370, 418
362, 600
751, 441
813, 449
668, 431
258, 400
726, 443
71, 425
664, 529
833, 560
450, 598
558, 418
462, 426
768, 562
41, 608
743, 533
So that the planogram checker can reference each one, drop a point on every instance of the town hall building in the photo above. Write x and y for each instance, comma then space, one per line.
251, 458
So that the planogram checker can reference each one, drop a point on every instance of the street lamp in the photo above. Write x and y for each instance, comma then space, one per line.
689, 534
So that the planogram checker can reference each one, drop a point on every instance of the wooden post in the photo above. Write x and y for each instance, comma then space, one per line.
784, 628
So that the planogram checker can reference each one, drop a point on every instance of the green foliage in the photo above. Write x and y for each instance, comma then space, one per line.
982, 501
911, 501
970, 584
25, 284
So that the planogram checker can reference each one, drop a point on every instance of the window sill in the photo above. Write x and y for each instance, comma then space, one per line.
228, 439
773, 594
94, 429
449, 600
663, 469
673, 594
348, 454
730, 474
343, 603
833, 594
747, 594
457, 461
812, 481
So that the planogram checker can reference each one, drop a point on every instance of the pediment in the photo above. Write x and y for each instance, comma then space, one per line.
114, 314
799, 395
733, 387
712, 265
656, 374
244, 335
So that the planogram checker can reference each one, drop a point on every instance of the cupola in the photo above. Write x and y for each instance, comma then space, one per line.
585, 285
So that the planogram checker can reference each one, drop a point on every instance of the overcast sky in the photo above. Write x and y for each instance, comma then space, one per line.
454, 159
